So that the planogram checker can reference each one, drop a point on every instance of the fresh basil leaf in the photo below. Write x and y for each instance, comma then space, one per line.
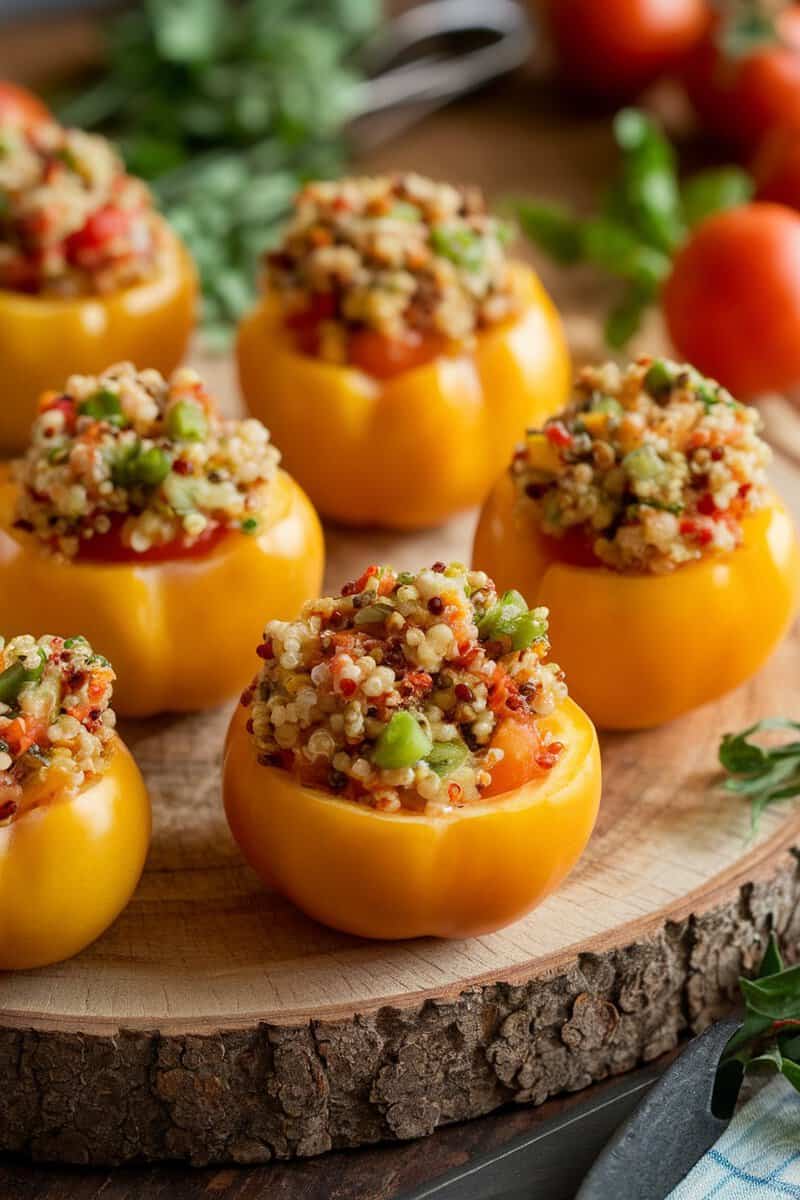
713, 191
553, 229
772, 962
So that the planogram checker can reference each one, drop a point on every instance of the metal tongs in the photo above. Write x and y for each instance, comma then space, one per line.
435, 52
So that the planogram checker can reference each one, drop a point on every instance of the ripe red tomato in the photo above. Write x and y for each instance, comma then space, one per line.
732, 300
18, 106
741, 99
616, 47
776, 168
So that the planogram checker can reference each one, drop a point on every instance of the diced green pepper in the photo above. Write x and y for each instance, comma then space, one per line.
77, 640
528, 628
402, 743
17, 675
103, 405
644, 463
658, 380
136, 466
461, 246
372, 614
249, 525
186, 422
403, 211
11, 680
512, 618
446, 757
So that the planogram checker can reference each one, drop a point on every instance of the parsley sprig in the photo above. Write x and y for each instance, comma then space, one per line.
765, 774
769, 1036
643, 217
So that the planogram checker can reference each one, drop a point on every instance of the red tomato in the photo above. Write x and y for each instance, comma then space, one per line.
732, 300
776, 168
743, 98
18, 106
382, 357
109, 548
617, 47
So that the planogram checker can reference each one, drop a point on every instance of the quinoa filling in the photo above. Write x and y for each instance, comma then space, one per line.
392, 694
146, 459
72, 222
652, 466
398, 255
56, 725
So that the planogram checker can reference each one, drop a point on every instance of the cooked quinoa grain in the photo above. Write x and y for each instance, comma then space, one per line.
654, 465
130, 454
390, 694
56, 725
400, 255
72, 222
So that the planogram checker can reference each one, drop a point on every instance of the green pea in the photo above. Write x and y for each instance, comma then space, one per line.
249, 525
446, 757
186, 422
658, 380
402, 743
152, 467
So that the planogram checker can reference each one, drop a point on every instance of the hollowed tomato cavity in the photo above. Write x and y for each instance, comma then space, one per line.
575, 548
369, 351
109, 547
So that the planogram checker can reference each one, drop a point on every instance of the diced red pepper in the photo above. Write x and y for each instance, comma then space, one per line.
557, 434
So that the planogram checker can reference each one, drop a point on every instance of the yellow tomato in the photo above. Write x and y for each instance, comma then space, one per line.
411, 450
43, 338
69, 865
401, 875
179, 633
641, 649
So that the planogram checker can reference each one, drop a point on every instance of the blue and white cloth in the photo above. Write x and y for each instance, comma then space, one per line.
758, 1156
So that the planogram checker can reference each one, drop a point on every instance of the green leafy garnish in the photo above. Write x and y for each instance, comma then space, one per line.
769, 1036
227, 109
643, 217
765, 774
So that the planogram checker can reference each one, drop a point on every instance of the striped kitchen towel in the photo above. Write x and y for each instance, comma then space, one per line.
758, 1156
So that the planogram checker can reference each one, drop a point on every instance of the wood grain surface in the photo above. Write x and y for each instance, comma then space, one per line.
214, 1022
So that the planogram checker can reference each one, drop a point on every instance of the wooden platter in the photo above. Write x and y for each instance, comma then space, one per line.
215, 1022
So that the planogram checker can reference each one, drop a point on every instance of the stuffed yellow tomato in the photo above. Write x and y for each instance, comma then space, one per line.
407, 762
396, 341
158, 527
642, 517
89, 273
74, 812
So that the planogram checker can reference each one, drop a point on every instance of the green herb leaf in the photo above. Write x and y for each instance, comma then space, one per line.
766, 774
714, 190
552, 229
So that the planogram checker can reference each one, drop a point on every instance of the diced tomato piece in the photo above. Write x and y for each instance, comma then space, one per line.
101, 228
109, 547
519, 740
557, 434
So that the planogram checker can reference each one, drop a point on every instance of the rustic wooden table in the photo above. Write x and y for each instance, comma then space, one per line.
515, 138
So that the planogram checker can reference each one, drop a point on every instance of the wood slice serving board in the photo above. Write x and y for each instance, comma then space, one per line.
213, 1021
